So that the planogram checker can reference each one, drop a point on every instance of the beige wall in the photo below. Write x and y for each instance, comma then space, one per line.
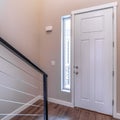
20, 25
50, 43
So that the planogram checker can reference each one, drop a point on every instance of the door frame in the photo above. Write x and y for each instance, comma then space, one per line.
112, 5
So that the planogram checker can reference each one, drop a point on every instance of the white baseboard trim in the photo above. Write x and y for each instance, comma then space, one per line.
117, 116
23, 107
60, 102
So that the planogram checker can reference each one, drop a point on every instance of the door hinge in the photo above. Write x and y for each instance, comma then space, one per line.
113, 14
113, 44
112, 102
113, 73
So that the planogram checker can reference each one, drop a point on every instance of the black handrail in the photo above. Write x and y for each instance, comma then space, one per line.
25, 59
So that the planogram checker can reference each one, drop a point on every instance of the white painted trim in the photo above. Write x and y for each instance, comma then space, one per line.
115, 114
60, 102
72, 63
104, 6
23, 107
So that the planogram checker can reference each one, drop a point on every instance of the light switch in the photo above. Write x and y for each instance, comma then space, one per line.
53, 63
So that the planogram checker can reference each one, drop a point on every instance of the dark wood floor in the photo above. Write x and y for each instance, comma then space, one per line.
59, 112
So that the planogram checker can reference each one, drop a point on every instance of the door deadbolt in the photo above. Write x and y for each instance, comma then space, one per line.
76, 67
76, 73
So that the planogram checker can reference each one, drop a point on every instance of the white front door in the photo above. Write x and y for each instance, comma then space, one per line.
94, 60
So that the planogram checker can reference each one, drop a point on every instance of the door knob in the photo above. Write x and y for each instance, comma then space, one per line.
76, 67
76, 73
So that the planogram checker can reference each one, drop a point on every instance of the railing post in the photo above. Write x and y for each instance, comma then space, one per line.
45, 97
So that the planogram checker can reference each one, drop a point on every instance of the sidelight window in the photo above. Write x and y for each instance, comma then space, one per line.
65, 53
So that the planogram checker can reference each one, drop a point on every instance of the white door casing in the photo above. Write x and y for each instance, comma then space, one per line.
93, 39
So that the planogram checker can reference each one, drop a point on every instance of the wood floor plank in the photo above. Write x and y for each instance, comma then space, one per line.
60, 112
92, 116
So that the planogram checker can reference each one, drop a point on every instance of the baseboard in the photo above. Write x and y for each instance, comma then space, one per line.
60, 102
57, 101
17, 111
117, 116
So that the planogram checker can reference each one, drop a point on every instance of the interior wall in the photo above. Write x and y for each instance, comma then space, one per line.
20, 25
50, 43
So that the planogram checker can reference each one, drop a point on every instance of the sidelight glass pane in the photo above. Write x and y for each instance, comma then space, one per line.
65, 53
